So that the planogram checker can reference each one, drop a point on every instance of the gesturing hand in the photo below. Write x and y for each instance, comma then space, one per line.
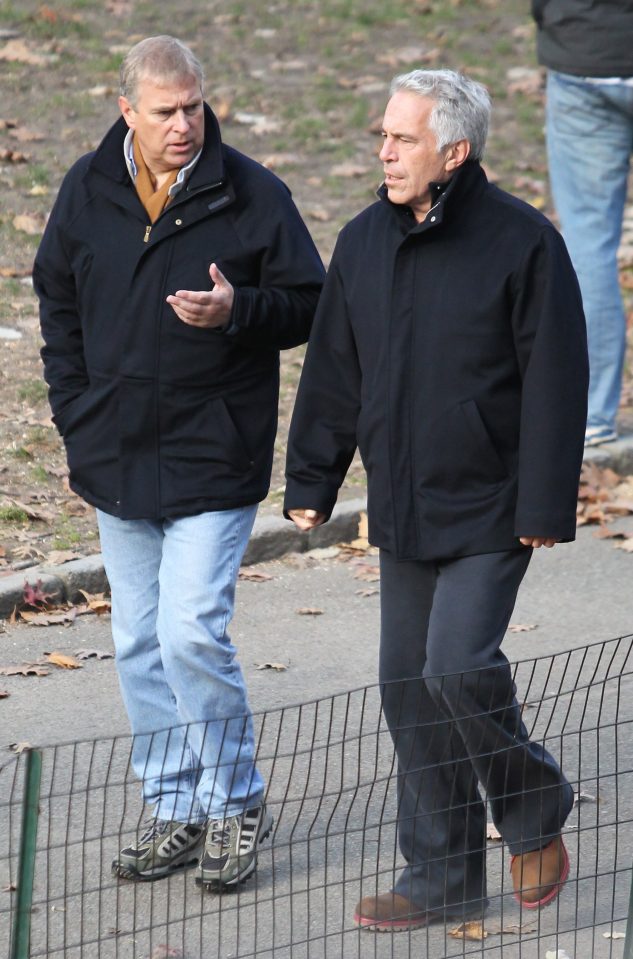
206, 308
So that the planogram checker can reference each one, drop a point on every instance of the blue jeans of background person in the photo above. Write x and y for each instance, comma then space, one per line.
173, 589
589, 141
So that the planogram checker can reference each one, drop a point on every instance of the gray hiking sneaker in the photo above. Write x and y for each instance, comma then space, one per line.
162, 849
230, 854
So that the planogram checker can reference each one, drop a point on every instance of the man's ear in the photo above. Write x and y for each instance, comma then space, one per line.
457, 154
127, 112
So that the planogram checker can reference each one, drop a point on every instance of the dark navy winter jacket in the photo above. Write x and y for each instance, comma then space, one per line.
453, 353
160, 418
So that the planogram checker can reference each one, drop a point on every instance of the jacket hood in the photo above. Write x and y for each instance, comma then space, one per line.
108, 158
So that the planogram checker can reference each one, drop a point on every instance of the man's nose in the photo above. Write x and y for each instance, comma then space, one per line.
387, 150
181, 121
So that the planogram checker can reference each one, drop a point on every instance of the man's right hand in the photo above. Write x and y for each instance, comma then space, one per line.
306, 519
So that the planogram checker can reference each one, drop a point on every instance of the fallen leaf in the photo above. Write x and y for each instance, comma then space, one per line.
100, 91
32, 513
309, 611
14, 156
521, 627
62, 660
584, 797
492, 833
626, 545
4, 693
18, 51
97, 602
614, 935
279, 667
470, 930
367, 572
254, 575
24, 135
318, 213
48, 618
349, 170
276, 161
19, 747
59, 556
370, 591
26, 223
93, 654
10, 887
27, 669
35, 595
495, 928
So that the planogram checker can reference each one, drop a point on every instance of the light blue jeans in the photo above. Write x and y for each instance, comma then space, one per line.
173, 591
589, 143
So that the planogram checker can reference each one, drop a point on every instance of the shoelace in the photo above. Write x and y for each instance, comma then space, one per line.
220, 832
156, 828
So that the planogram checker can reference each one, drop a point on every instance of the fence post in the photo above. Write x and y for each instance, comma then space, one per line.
628, 942
21, 938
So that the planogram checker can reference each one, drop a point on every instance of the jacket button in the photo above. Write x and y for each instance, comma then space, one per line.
432, 219
178, 222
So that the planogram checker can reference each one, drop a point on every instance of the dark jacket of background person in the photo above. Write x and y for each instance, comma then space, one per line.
160, 418
458, 361
587, 38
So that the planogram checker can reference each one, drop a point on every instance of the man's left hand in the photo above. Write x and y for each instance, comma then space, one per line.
206, 308
536, 541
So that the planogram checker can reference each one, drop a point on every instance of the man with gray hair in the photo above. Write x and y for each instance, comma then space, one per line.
449, 345
172, 271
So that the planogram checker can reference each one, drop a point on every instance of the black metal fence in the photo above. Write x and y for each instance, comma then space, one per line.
330, 770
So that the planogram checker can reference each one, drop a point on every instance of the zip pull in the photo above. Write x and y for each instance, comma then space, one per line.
148, 230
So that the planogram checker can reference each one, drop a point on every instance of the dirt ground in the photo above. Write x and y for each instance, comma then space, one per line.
300, 86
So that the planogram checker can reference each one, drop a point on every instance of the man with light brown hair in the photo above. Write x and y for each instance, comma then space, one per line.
172, 271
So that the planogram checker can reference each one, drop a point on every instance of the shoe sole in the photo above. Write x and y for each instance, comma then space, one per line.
120, 871
554, 891
213, 885
389, 925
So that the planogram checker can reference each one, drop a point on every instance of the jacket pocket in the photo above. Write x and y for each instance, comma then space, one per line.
458, 454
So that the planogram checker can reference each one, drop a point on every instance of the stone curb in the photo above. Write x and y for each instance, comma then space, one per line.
272, 536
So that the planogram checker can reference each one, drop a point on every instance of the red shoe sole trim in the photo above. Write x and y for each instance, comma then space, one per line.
554, 891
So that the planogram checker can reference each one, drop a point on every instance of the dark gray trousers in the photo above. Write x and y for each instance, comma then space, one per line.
450, 705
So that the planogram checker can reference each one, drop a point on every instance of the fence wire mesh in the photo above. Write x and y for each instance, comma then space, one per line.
331, 777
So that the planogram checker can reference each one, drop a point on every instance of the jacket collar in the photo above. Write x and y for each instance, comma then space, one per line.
109, 159
469, 179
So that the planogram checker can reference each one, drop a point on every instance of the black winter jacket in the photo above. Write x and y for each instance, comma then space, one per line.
453, 352
160, 418
587, 38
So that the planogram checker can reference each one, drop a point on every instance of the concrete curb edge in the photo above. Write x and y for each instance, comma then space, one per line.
272, 537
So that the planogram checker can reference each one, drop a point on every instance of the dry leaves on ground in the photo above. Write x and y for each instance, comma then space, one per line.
26, 669
277, 667
310, 611
62, 660
603, 497
254, 575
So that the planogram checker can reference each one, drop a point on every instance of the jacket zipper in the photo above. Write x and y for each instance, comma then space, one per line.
148, 230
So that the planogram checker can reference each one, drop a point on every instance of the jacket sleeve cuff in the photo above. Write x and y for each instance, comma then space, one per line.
318, 496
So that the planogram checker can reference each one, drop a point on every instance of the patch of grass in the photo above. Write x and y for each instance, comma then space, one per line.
33, 391
39, 474
66, 535
13, 514
20, 453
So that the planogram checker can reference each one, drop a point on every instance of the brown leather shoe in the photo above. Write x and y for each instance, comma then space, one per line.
390, 912
539, 876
